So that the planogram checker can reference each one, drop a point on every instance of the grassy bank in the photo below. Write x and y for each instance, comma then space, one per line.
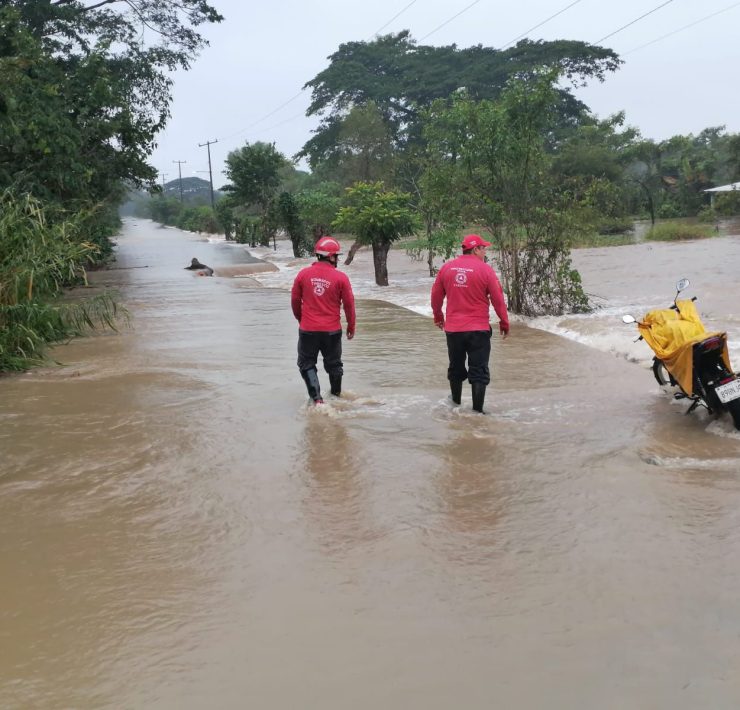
40, 257
679, 231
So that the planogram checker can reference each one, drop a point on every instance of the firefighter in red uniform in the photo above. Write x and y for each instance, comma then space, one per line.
469, 284
318, 293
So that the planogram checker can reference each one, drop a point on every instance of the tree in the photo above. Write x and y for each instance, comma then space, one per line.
83, 98
493, 154
254, 171
377, 217
290, 219
104, 92
402, 78
318, 208
438, 208
362, 149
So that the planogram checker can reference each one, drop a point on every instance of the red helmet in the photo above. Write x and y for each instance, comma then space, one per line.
326, 246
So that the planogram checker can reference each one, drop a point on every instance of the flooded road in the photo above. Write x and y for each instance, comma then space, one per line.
179, 530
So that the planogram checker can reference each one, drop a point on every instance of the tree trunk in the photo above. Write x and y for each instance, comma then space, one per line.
351, 254
380, 262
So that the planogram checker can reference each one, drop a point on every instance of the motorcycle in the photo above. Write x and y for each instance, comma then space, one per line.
690, 358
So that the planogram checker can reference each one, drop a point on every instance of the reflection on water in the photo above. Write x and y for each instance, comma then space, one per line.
178, 529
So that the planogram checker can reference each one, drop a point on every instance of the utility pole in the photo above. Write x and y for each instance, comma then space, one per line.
164, 175
208, 144
179, 168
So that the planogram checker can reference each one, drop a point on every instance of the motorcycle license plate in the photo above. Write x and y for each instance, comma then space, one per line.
728, 392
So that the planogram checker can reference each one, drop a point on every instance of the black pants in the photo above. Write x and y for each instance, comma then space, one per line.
476, 346
313, 342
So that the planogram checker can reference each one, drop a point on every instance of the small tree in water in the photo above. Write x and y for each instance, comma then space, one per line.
493, 155
377, 217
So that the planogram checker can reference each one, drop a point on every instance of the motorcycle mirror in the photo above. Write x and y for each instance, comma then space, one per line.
682, 284
628, 319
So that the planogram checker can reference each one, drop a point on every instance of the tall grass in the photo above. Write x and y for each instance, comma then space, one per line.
38, 259
677, 231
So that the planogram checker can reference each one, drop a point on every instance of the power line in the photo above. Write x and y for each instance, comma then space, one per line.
560, 12
681, 29
398, 14
267, 115
637, 19
447, 22
300, 93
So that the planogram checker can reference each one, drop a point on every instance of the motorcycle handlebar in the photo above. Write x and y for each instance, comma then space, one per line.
675, 307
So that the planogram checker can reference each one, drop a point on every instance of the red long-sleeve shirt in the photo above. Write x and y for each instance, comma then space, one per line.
318, 292
469, 285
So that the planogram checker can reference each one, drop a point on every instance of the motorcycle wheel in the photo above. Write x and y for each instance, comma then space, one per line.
661, 374
734, 409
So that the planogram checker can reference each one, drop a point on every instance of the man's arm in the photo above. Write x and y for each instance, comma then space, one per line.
438, 297
348, 301
296, 298
496, 294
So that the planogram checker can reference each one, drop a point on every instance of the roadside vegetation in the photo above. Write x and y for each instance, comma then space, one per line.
81, 103
678, 231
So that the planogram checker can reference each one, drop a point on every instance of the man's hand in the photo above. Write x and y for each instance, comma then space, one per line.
440, 323
503, 329
350, 334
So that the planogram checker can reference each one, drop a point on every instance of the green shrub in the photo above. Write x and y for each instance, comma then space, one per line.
675, 231
727, 204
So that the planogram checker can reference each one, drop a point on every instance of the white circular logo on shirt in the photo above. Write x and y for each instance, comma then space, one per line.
318, 289
461, 277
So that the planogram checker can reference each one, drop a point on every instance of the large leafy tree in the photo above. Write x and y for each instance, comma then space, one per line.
401, 78
255, 171
86, 90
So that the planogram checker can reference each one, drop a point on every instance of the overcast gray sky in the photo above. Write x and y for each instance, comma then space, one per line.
264, 52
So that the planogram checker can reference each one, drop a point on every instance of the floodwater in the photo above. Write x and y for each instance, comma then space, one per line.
178, 529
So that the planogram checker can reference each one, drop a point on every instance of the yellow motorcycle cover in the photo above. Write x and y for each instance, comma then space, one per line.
672, 335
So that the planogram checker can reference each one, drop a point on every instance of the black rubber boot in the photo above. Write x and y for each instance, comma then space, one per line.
311, 378
456, 390
336, 384
479, 396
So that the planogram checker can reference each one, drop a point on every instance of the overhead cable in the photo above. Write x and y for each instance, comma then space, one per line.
447, 22
637, 19
681, 29
300, 93
524, 34
398, 14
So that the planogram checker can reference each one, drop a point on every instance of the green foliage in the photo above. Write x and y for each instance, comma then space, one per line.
678, 231
255, 174
226, 216
440, 240
400, 78
727, 204
361, 148
82, 97
377, 217
318, 208
493, 157
198, 219
290, 219
38, 259
254, 171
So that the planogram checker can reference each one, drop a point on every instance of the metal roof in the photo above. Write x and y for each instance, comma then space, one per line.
725, 188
